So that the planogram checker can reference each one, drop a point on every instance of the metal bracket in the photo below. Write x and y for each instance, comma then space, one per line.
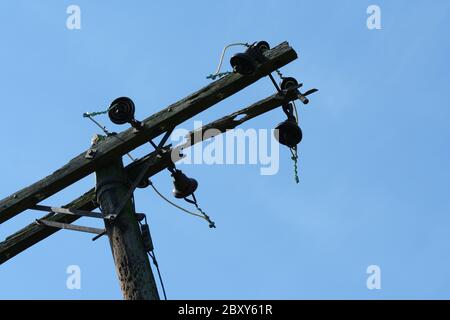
163, 141
54, 224
301, 96
130, 191
275, 83
139, 217
165, 138
73, 212
136, 125
91, 153
99, 235
141, 174
67, 226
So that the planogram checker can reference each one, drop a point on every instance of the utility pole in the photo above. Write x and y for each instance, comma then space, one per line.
113, 193
130, 258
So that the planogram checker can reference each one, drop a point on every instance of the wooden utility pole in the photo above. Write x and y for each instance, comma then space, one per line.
113, 192
130, 258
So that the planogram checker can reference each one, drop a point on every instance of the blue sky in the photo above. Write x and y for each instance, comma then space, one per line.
374, 162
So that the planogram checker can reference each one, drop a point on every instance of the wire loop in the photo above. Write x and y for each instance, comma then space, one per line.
219, 74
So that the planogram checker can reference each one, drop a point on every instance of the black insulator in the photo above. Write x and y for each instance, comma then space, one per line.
122, 111
182, 185
288, 83
262, 46
246, 63
243, 63
288, 133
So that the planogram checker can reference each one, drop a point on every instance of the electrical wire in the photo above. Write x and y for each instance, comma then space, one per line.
279, 74
294, 158
217, 73
90, 116
205, 216
294, 150
174, 204
295, 111
155, 263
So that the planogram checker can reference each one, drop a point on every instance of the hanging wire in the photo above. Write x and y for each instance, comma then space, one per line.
295, 159
295, 111
219, 74
155, 262
206, 217
91, 115
294, 151
174, 204
279, 74
95, 113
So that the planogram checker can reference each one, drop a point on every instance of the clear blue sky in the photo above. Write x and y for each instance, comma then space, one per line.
375, 159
